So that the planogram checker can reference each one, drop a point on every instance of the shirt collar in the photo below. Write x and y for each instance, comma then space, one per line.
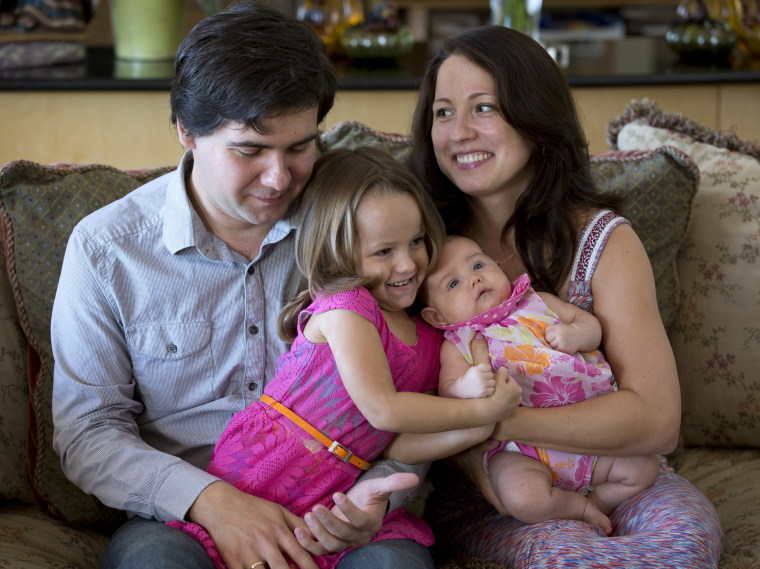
179, 217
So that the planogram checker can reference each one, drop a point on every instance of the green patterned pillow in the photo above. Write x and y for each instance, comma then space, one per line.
39, 206
14, 399
658, 188
352, 134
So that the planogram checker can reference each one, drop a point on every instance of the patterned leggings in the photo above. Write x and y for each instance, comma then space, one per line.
671, 525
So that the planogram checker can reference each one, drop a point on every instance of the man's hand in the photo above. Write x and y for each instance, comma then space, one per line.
356, 517
247, 529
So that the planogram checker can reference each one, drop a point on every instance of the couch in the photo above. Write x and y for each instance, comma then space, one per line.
693, 196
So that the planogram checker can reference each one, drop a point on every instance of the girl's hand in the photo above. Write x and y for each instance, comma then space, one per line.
505, 399
478, 381
507, 392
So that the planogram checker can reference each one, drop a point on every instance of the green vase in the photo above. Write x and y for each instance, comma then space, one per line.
521, 15
147, 30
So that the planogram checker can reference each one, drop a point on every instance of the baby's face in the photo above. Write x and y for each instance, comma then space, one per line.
464, 283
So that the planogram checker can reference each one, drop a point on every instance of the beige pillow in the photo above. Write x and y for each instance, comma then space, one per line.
716, 333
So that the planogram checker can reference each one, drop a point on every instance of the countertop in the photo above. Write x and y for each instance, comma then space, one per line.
626, 62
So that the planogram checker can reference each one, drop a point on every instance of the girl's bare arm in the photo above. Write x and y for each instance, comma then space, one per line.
364, 369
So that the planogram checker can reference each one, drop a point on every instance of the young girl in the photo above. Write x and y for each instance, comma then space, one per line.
359, 362
550, 347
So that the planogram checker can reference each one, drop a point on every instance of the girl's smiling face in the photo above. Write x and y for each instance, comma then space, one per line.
475, 147
391, 248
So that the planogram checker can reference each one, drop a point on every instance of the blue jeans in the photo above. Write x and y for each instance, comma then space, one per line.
148, 544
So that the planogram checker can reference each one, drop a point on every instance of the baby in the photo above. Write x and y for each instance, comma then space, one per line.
550, 348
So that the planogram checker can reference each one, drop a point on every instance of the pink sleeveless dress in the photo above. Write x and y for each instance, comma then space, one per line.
514, 331
263, 453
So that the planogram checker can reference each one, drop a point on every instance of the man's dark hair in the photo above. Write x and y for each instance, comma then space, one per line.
248, 64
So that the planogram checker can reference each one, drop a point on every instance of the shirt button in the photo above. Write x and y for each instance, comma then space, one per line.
251, 270
252, 386
172, 348
253, 329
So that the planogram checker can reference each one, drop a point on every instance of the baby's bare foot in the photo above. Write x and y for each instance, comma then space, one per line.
594, 516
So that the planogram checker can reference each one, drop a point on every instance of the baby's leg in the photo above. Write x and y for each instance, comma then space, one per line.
618, 478
524, 487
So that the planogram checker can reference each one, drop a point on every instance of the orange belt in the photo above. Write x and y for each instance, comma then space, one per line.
333, 446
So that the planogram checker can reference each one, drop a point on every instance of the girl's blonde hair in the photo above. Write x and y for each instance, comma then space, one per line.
327, 240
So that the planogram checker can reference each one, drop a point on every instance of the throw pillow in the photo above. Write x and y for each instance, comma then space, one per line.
716, 335
39, 206
14, 399
658, 188
352, 134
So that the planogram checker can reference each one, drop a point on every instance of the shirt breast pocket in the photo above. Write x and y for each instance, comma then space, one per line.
172, 365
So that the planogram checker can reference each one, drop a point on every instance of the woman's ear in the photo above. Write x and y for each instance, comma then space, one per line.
432, 316
185, 138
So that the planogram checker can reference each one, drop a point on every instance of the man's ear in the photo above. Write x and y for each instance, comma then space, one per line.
432, 316
185, 138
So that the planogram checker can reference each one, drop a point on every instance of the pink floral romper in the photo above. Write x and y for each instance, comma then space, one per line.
263, 453
514, 331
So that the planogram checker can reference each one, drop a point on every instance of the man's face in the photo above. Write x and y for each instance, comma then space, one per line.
242, 178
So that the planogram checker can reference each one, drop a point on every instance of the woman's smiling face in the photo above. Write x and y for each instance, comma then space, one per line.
475, 147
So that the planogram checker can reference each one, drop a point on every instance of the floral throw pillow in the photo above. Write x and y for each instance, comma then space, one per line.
716, 333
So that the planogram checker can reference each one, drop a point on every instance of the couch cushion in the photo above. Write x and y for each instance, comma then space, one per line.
31, 540
14, 399
39, 206
352, 134
730, 478
716, 334
658, 188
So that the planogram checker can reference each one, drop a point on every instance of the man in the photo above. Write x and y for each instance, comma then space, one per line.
164, 321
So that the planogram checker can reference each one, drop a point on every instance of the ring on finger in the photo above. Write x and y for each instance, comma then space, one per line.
257, 564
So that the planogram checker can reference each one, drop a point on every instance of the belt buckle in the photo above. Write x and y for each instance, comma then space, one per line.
335, 446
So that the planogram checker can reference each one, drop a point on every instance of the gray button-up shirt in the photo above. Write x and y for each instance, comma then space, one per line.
160, 334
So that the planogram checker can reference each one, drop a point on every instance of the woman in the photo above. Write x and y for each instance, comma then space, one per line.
497, 140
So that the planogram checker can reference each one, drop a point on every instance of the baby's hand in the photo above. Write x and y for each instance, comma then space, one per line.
478, 381
563, 338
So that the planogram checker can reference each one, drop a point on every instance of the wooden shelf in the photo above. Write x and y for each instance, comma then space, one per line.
484, 5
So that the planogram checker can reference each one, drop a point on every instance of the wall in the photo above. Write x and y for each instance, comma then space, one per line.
132, 129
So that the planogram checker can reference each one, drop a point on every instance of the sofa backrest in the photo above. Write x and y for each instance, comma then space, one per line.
39, 206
